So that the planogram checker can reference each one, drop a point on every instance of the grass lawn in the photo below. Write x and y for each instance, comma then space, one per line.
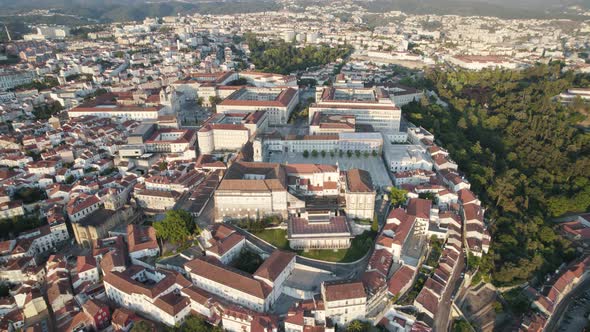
276, 237
359, 247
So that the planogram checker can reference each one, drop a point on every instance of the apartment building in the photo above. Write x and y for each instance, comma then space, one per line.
359, 194
344, 301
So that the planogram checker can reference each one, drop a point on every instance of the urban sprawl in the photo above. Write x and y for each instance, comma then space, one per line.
153, 173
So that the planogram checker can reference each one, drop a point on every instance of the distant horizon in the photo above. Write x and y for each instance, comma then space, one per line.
80, 12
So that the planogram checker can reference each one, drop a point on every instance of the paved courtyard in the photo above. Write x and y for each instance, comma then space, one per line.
371, 164
308, 280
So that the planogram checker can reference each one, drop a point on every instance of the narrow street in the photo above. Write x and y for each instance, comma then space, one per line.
565, 306
441, 321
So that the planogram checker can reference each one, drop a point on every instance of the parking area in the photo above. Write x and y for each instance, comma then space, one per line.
371, 164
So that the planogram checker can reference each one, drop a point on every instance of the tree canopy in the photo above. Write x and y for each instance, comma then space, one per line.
142, 326
196, 324
285, 58
176, 227
523, 154
397, 196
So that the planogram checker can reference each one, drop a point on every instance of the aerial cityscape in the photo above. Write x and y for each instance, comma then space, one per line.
294, 165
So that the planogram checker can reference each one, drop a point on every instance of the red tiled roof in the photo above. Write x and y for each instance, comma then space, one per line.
336, 225
215, 271
344, 290
373, 281
274, 265
225, 244
419, 208
85, 263
381, 261
428, 300
401, 279
359, 180
141, 238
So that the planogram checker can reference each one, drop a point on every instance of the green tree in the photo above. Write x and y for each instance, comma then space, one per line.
397, 196
70, 179
473, 261
323, 153
375, 224
29, 195
285, 58
142, 326
547, 235
460, 325
512, 139
4, 290
357, 326
314, 153
197, 324
305, 153
162, 166
176, 227
214, 100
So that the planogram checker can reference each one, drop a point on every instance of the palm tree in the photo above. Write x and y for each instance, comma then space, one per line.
356, 326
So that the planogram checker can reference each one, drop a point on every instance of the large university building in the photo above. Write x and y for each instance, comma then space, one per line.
369, 106
278, 102
230, 131
252, 189
331, 233
258, 291
344, 141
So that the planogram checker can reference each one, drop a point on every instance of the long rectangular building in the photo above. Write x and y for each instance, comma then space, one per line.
344, 141
257, 291
369, 106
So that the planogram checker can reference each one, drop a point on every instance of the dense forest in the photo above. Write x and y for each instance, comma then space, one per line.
284, 58
523, 154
